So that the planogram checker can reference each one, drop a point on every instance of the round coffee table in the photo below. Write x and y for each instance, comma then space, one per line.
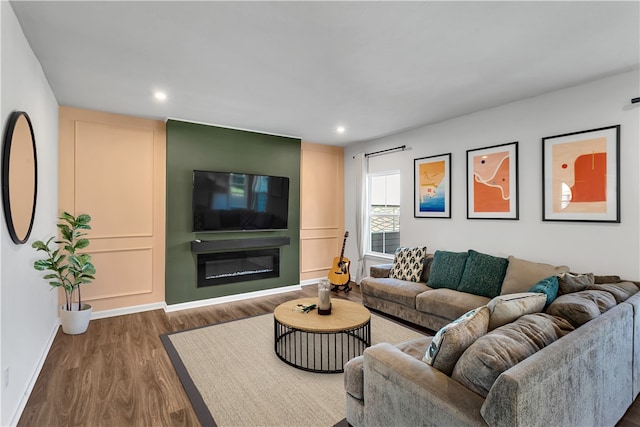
318, 343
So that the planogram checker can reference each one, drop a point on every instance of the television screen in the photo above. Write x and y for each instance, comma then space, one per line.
227, 201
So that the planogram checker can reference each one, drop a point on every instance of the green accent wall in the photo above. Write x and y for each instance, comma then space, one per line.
193, 146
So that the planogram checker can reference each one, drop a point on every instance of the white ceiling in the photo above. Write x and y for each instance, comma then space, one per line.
303, 68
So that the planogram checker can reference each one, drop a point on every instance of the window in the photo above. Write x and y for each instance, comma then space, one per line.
384, 212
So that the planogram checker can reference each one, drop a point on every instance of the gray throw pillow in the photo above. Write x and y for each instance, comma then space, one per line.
505, 309
571, 282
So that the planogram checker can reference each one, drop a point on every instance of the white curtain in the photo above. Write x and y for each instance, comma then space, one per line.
361, 168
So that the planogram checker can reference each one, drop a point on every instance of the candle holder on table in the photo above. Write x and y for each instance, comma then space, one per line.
324, 297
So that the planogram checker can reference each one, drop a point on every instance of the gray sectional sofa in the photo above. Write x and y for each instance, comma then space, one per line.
587, 374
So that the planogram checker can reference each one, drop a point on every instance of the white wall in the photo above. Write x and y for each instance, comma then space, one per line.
604, 248
27, 306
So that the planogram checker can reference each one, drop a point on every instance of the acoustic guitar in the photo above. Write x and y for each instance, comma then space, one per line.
339, 274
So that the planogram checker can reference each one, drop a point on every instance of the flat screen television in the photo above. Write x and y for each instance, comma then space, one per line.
228, 201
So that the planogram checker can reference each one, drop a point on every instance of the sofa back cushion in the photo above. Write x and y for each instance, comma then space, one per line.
408, 263
483, 274
570, 282
580, 307
446, 269
621, 291
497, 351
426, 268
522, 274
505, 309
452, 340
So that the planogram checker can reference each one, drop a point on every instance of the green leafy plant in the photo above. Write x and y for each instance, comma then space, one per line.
69, 268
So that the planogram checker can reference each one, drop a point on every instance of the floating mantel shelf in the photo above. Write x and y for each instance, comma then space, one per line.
235, 244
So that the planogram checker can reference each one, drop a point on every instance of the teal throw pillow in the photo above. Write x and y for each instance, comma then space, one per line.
483, 274
446, 269
548, 286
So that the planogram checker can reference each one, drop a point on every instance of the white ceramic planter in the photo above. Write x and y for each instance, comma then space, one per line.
76, 321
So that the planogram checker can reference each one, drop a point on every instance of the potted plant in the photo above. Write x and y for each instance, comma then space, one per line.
69, 269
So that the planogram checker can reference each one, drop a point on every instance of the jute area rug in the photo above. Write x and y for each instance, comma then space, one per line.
234, 378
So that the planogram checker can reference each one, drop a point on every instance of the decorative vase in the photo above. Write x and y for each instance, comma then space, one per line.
76, 321
324, 297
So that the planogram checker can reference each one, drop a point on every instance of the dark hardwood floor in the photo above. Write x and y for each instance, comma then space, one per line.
118, 373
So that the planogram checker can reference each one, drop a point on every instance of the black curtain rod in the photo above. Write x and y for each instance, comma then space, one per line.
402, 147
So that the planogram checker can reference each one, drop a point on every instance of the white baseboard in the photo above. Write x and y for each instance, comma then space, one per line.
200, 303
127, 310
36, 373
230, 298
311, 281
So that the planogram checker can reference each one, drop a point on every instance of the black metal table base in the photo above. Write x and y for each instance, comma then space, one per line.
325, 352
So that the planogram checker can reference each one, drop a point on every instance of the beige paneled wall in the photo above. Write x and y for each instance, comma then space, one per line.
113, 167
322, 208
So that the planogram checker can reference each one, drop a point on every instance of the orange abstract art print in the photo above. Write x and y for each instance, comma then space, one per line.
492, 182
580, 176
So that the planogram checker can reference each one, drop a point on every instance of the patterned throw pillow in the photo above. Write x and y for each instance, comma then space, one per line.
408, 263
453, 339
483, 274
446, 269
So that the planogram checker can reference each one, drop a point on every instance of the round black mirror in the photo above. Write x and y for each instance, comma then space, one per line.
19, 176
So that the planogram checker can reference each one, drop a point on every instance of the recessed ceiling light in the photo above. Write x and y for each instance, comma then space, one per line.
340, 129
160, 96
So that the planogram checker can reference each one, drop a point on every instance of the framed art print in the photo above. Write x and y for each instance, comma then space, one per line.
492, 182
581, 176
432, 186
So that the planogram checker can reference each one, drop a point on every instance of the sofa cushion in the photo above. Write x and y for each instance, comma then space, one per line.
408, 263
426, 268
380, 270
547, 286
488, 357
483, 274
446, 269
448, 303
505, 309
399, 291
580, 307
522, 274
570, 282
600, 279
453, 339
621, 291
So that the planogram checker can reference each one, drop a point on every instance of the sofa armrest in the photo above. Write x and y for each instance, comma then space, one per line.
380, 271
401, 390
